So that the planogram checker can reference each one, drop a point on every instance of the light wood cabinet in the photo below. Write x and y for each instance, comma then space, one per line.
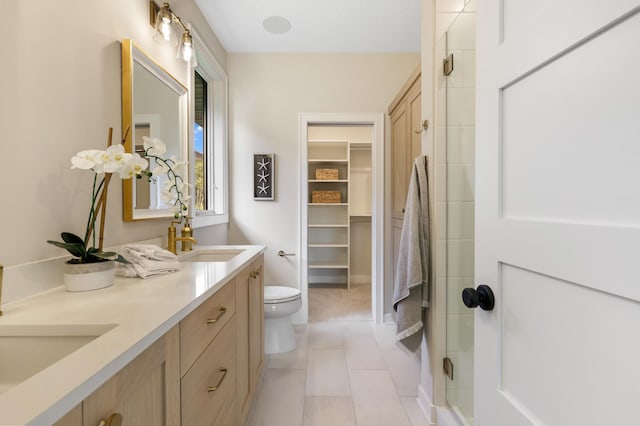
210, 384
72, 418
145, 391
199, 328
406, 131
250, 333
406, 136
204, 371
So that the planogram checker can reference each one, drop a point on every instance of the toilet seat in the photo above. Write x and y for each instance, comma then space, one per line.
279, 294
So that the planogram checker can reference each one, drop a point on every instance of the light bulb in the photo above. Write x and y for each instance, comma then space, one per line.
163, 29
186, 51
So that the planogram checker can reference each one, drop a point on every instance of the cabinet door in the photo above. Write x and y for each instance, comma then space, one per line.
243, 283
250, 334
406, 145
211, 384
396, 226
399, 155
72, 418
256, 325
145, 392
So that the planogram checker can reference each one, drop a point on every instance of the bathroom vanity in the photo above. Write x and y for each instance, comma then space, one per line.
183, 348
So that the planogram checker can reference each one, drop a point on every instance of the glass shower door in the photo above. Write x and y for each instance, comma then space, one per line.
458, 88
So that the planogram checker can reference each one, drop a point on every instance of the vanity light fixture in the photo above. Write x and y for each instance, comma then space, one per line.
164, 22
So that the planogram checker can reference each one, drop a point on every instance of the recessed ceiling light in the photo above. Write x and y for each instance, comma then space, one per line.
276, 25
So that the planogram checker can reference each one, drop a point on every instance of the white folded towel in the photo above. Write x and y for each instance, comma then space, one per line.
151, 252
146, 261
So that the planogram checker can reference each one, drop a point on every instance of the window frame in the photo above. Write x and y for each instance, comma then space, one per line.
216, 141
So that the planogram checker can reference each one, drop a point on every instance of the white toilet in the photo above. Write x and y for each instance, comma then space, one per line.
279, 304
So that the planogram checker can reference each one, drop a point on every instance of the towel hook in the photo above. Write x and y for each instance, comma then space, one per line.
425, 126
283, 254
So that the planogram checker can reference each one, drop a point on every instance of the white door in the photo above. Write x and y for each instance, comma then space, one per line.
558, 212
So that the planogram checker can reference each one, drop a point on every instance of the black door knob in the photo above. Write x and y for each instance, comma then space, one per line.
482, 296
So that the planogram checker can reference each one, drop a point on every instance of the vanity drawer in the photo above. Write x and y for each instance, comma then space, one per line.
203, 324
210, 384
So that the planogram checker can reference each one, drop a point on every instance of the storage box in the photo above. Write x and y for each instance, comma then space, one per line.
326, 174
325, 196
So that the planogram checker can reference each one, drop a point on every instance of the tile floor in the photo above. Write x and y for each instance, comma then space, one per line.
345, 371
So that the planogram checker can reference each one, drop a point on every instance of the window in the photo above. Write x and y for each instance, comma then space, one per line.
200, 133
209, 150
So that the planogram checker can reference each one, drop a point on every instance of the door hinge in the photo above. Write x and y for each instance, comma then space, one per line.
447, 64
447, 367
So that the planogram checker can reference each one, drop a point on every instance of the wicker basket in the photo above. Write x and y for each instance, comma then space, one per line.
325, 196
327, 174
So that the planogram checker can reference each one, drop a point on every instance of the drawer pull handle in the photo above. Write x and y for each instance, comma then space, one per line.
221, 312
215, 388
114, 420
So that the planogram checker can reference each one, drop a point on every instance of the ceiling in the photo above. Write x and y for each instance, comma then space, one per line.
316, 25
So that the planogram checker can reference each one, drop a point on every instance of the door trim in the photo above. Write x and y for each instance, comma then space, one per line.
377, 217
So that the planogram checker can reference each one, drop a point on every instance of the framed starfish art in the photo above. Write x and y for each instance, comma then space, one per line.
263, 181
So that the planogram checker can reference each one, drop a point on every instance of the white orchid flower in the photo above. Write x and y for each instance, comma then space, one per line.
133, 166
138, 163
86, 159
115, 159
153, 146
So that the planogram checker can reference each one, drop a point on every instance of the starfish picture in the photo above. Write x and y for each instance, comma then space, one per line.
263, 164
263, 188
263, 176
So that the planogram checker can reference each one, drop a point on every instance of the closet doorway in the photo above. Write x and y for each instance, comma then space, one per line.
341, 211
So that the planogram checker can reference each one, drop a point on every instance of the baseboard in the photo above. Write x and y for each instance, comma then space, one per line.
360, 279
388, 318
427, 407
447, 417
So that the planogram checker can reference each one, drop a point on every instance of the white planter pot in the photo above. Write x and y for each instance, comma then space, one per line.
88, 276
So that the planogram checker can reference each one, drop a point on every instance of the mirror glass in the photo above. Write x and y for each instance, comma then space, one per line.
154, 104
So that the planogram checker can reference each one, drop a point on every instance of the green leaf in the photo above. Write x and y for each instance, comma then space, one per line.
122, 259
75, 249
68, 237
92, 258
105, 254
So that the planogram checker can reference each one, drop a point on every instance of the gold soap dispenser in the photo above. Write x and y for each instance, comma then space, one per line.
187, 235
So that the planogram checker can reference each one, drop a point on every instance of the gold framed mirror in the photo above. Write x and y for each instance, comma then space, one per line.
154, 104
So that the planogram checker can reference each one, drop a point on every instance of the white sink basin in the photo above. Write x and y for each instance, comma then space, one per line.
212, 255
28, 349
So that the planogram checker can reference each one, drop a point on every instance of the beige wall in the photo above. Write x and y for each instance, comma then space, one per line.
267, 93
60, 92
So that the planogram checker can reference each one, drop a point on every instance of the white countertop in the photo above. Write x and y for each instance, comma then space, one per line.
141, 310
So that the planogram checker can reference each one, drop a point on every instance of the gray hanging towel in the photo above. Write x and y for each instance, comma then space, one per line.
411, 284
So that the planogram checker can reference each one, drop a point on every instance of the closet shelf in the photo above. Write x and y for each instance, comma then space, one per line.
328, 245
327, 181
328, 265
331, 225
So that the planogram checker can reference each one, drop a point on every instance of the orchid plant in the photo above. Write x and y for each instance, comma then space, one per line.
175, 188
113, 160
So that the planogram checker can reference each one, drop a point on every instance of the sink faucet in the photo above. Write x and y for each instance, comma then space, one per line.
186, 236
